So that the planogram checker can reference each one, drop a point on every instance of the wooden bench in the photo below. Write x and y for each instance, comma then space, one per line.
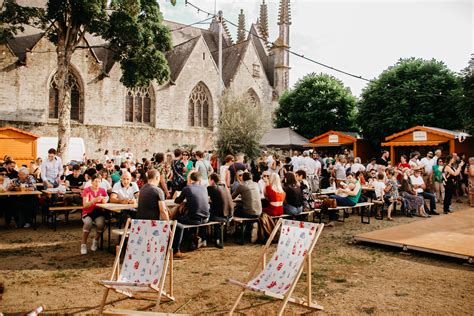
53, 211
362, 207
119, 231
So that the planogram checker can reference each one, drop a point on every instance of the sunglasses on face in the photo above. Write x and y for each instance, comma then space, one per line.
265, 176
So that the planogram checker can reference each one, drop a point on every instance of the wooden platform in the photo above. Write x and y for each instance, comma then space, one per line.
450, 235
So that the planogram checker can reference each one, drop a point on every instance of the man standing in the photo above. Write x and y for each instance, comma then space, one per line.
236, 166
313, 170
295, 160
197, 204
427, 163
151, 204
51, 169
384, 159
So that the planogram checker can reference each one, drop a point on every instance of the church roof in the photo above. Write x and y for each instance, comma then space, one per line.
231, 58
21, 44
179, 55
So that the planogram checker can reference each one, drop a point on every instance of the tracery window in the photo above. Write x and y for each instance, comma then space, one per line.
200, 106
77, 108
138, 105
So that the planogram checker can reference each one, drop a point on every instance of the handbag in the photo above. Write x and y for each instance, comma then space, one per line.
330, 203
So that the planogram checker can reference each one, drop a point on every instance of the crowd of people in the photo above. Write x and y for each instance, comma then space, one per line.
204, 188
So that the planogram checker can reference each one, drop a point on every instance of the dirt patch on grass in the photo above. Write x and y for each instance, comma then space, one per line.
45, 267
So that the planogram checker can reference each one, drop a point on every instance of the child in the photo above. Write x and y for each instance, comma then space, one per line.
379, 186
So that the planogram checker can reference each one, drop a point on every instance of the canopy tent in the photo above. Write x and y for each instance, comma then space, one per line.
430, 136
360, 147
19, 144
284, 138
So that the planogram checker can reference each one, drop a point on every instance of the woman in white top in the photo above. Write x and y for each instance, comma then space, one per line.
224, 173
204, 167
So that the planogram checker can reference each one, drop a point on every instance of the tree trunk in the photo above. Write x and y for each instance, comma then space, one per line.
64, 97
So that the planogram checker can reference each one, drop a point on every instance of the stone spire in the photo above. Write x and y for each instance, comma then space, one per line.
227, 32
241, 32
284, 12
263, 22
280, 50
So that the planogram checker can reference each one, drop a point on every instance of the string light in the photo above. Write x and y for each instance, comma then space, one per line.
316, 62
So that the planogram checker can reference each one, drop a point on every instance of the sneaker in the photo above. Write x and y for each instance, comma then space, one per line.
94, 245
27, 225
83, 249
330, 224
201, 243
219, 244
254, 233
179, 255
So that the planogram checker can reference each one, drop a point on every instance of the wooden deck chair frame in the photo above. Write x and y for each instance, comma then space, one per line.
308, 301
152, 288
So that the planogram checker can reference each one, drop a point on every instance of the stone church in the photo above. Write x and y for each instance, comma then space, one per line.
183, 111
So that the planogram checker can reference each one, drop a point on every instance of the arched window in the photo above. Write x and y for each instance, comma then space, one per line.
77, 107
138, 105
200, 107
254, 96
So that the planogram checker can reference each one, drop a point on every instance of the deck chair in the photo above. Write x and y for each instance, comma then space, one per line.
147, 258
280, 276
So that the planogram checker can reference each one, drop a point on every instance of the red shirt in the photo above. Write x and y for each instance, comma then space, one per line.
273, 196
92, 195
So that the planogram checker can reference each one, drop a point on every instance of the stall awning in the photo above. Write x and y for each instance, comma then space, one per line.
328, 144
424, 143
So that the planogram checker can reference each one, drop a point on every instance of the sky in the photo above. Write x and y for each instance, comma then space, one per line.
360, 37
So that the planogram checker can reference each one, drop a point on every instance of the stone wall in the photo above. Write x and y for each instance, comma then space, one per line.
142, 140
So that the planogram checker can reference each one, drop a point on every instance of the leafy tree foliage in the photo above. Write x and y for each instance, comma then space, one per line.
412, 92
317, 103
466, 106
133, 29
241, 125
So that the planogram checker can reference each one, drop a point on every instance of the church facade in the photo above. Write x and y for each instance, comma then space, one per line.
107, 115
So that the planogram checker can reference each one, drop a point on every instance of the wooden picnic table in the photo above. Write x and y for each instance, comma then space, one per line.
10, 193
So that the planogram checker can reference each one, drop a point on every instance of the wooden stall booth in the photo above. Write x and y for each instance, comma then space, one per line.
334, 139
429, 138
18, 144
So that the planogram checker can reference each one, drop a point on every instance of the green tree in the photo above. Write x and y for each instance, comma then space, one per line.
316, 104
133, 29
241, 125
466, 106
412, 92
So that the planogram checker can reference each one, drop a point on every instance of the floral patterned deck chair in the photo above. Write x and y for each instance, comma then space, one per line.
281, 274
147, 258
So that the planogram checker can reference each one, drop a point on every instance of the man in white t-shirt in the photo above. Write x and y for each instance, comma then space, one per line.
427, 163
125, 191
295, 160
419, 186
313, 170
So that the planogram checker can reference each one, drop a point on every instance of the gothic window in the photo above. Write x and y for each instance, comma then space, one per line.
254, 96
138, 105
76, 95
200, 107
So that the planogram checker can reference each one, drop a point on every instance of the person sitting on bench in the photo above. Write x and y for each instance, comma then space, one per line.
222, 207
197, 204
347, 196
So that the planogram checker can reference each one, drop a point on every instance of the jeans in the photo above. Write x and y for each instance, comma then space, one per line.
431, 197
178, 235
218, 228
342, 201
292, 210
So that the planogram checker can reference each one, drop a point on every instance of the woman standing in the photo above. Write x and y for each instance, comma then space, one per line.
224, 173
470, 175
451, 171
162, 168
437, 175
204, 167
